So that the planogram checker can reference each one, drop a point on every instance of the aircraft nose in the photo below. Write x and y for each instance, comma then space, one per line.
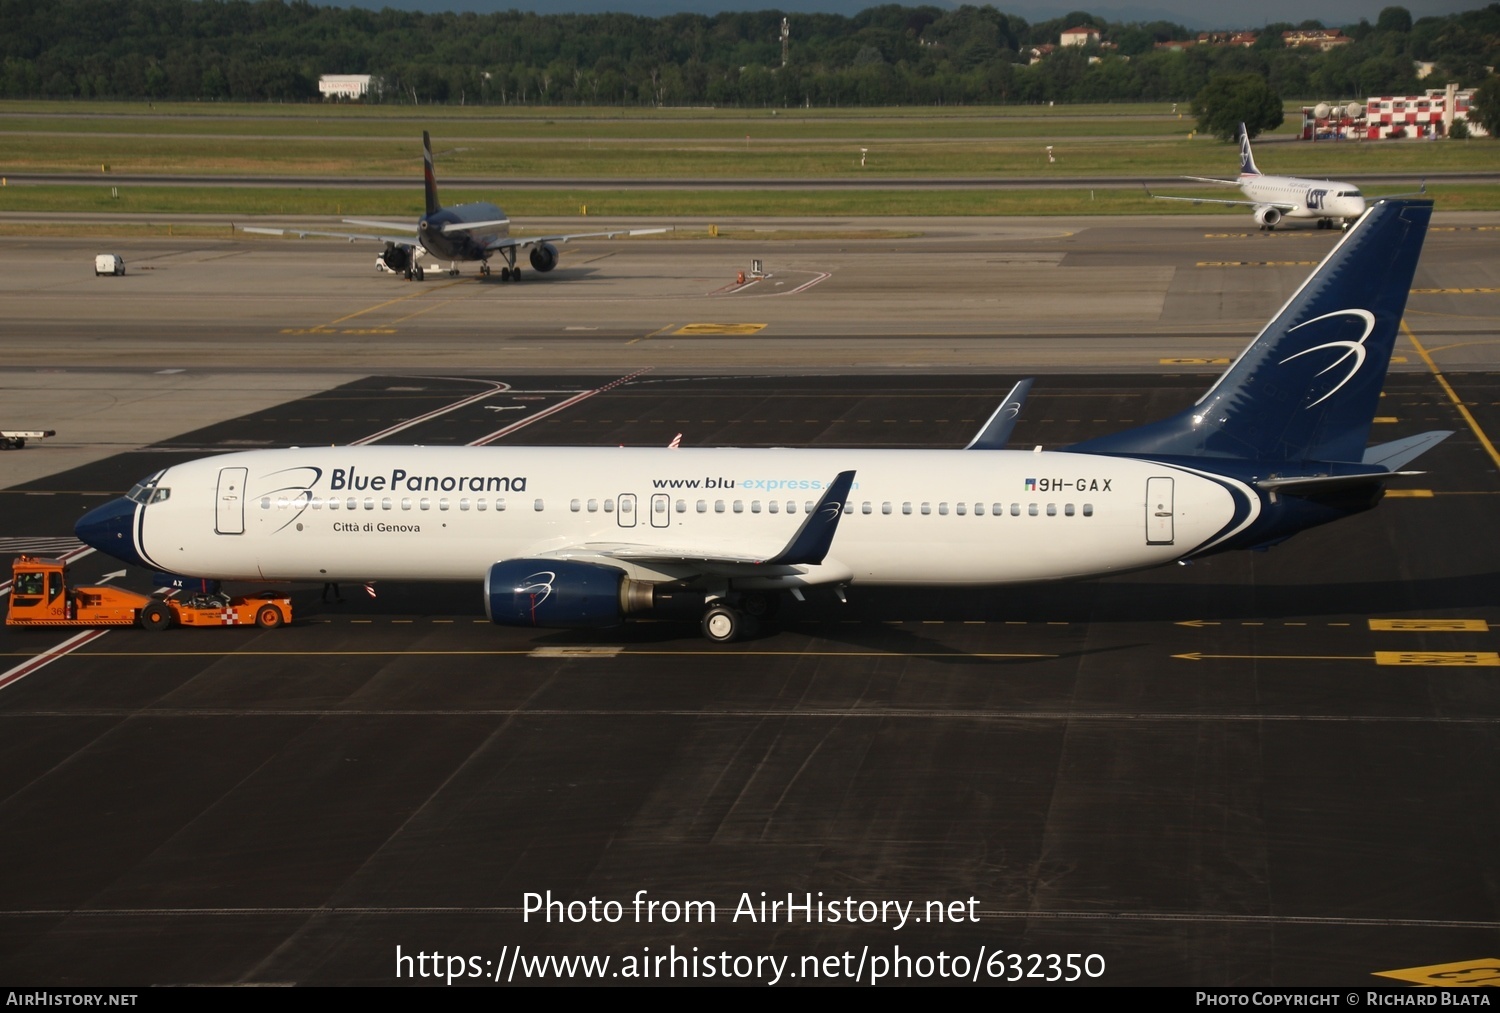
110, 528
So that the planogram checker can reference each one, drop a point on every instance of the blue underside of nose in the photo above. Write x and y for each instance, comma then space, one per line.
111, 528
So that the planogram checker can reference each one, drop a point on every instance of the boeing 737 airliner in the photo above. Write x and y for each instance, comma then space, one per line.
1278, 197
590, 536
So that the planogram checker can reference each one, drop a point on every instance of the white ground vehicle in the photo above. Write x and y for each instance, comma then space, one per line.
109, 263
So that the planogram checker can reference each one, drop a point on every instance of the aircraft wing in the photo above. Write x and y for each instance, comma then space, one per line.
1212, 179
1278, 205
452, 227
808, 546
522, 243
409, 239
1216, 200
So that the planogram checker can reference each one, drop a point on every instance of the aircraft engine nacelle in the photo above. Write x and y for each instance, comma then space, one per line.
1267, 217
560, 593
396, 258
544, 257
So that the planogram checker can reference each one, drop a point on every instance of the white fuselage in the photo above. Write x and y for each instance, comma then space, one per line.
1305, 198
913, 516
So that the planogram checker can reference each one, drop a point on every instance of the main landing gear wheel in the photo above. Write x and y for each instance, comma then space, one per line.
759, 605
268, 618
724, 625
155, 616
505, 274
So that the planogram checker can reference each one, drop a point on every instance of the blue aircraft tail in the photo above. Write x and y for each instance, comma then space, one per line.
1307, 387
433, 204
1247, 160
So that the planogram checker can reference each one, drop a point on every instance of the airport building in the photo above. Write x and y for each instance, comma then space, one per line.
336, 86
1392, 117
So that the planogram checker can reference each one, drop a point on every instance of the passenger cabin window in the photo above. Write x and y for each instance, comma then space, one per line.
536, 505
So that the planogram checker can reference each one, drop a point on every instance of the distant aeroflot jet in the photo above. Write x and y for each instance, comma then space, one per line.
588, 536
463, 232
1278, 197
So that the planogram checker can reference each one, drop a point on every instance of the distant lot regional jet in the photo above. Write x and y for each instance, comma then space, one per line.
463, 232
1278, 197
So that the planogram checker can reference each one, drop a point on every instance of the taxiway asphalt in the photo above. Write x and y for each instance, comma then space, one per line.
1259, 769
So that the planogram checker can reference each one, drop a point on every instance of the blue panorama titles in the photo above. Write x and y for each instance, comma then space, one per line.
400, 479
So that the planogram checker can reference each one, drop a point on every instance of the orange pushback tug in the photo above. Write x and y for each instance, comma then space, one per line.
40, 596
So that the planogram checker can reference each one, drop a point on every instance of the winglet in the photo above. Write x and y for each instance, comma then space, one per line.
995, 433
812, 540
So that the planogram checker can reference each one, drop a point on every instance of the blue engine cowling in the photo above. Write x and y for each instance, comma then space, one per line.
560, 593
544, 257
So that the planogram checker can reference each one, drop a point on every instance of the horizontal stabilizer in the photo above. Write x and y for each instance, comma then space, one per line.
1321, 484
1398, 452
995, 433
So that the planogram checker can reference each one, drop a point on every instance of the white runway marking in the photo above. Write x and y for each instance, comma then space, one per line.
26, 668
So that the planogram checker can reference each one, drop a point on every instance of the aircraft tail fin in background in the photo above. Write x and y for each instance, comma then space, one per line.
1247, 160
1307, 387
433, 204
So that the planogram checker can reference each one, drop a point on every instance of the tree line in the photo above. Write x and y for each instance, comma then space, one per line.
272, 50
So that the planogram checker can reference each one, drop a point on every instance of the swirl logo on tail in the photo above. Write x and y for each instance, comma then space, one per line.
1351, 348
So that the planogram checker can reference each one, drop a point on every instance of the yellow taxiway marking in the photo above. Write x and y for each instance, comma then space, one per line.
1454, 291
1488, 659
332, 325
1409, 493
1195, 362
1385, 419
1430, 625
1484, 440
532, 652
690, 330
337, 330
1256, 263
659, 330
399, 298
1459, 974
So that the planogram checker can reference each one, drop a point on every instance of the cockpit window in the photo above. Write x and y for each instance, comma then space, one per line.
160, 495
142, 491
1350, 193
